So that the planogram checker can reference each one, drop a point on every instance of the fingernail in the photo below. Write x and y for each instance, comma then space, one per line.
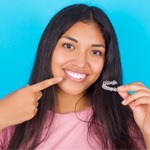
59, 79
124, 101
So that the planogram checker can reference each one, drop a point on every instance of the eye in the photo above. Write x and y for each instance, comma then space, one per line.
68, 46
96, 52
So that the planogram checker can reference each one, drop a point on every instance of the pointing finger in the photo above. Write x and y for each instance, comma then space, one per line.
46, 83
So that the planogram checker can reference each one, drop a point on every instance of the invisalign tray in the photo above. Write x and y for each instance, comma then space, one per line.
106, 87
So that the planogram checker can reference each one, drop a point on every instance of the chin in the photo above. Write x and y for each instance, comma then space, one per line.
72, 91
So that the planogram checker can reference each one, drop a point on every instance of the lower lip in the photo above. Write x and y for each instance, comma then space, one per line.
74, 79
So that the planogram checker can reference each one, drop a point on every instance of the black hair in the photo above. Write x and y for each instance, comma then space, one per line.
110, 122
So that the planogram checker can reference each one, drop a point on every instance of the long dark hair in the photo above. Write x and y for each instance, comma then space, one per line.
110, 122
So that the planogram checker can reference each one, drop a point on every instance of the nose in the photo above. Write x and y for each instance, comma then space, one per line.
80, 60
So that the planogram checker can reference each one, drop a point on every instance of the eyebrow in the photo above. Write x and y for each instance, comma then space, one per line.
98, 45
74, 40
70, 38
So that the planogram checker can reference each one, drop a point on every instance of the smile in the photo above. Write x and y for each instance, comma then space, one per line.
76, 76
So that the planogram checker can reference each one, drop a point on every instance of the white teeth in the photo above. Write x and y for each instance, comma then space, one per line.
79, 76
75, 75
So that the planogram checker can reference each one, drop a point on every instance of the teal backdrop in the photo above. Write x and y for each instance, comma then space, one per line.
23, 21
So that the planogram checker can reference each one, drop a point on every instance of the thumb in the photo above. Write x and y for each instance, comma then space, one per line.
123, 94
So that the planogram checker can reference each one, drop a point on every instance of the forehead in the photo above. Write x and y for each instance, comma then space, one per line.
84, 25
89, 32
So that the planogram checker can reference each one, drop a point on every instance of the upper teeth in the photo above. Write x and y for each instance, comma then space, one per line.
75, 75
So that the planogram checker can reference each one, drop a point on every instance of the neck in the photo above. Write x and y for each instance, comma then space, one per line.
69, 103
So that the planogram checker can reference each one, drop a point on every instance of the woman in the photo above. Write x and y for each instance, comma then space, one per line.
78, 51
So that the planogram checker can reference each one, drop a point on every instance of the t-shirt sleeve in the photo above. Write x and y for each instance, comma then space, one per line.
2, 139
5, 136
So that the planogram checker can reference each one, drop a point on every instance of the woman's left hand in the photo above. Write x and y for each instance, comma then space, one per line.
139, 102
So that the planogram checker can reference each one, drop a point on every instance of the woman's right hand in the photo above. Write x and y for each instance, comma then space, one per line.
21, 105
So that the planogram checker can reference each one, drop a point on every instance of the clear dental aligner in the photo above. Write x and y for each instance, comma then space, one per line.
106, 86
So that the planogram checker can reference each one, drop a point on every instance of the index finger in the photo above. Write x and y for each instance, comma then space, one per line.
132, 87
46, 83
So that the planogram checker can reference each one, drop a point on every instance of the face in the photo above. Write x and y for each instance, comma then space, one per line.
79, 58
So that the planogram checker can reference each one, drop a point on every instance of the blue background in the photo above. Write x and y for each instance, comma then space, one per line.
23, 21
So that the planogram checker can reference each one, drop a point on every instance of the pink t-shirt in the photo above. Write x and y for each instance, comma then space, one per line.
68, 132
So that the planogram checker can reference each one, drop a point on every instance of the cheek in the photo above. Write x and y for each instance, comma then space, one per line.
97, 67
57, 57
58, 60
